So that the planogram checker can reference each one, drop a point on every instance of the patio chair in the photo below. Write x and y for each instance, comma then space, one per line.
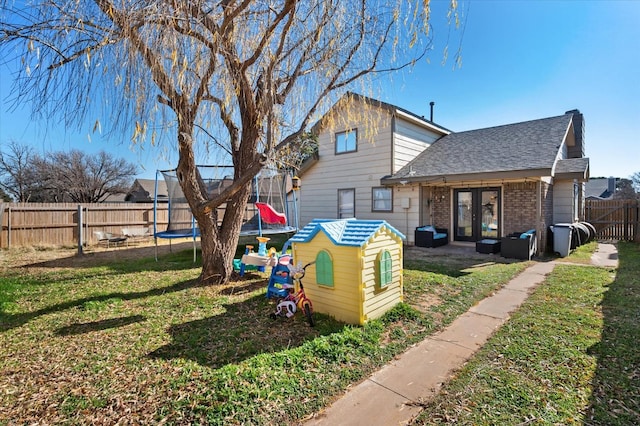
108, 239
136, 234
519, 245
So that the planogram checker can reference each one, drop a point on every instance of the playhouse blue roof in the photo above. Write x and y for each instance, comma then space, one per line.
344, 232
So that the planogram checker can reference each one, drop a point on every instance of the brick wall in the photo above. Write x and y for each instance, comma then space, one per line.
441, 208
520, 209
520, 206
520, 201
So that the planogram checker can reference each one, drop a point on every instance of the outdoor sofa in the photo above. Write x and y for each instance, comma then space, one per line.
519, 245
430, 236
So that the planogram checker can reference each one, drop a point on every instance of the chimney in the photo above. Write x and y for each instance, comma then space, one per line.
611, 187
431, 104
577, 151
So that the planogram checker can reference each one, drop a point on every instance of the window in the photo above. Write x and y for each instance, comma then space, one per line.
347, 141
381, 199
324, 269
384, 269
346, 203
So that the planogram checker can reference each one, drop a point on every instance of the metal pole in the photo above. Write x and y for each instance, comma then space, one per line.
257, 201
155, 215
86, 227
79, 229
1, 213
9, 228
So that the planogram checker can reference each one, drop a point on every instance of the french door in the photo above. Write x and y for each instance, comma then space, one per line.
476, 214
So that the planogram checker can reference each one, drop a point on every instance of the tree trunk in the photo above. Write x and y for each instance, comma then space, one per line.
219, 244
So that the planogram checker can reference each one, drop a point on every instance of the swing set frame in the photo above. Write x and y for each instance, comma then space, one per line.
271, 209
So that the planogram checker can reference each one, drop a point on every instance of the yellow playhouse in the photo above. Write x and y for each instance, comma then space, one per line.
357, 275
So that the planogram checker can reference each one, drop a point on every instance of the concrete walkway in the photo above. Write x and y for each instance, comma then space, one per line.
392, 396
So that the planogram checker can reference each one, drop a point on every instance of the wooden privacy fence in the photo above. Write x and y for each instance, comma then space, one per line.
614, 219
58, 224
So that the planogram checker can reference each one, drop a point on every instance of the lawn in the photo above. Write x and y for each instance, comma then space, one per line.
136, 341
569, 355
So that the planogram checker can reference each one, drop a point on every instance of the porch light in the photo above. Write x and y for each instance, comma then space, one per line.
296, 183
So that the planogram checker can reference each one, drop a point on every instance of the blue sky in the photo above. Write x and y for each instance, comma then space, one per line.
521, 60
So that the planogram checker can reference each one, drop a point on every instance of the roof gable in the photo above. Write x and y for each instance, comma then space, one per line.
351, 98
344, 232
143, 190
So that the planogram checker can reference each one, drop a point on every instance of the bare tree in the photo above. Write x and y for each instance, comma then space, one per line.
4, 196
16, 171
635, 178
82, 178
240, 77
625, 190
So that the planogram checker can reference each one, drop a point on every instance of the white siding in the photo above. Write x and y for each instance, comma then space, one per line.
409, 141
359, 170
563, 209
379, 154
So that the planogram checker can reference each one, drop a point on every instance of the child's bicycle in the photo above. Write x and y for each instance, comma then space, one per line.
295, 300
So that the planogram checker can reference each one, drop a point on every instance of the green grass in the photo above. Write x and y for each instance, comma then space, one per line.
139, 341
568, 356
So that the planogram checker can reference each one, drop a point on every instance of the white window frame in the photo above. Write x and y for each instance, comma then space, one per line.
344, 212
387, 202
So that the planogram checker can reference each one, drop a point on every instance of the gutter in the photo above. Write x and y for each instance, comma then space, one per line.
466, 177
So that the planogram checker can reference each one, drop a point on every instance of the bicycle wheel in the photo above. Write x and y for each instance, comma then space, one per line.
308, 314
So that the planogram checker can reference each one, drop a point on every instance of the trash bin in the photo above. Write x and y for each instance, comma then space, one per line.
562, 233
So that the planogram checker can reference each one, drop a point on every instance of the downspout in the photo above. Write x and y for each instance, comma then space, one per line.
539, 212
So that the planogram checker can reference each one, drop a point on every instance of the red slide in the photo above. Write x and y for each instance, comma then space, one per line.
269, 215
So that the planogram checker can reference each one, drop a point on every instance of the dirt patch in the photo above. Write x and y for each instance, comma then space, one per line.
425, 301
67, 257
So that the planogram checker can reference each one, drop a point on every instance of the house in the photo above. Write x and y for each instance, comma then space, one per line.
479, 184
357, 274
601, 188
361, 140
143, 191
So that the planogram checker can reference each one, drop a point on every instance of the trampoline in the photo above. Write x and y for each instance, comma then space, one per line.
271, 209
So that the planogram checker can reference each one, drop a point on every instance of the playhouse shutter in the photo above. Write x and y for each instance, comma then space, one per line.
385, 269
324, 269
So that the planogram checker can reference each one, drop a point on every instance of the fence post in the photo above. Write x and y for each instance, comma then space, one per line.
626, 220
636, 228
80, 229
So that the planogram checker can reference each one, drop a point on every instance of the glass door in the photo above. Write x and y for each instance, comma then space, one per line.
477, 214
464, 216
489, 213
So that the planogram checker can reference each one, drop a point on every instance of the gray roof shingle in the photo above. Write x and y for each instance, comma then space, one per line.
572, 166
527, 146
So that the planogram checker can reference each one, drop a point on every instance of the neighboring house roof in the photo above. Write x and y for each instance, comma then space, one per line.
344, 232
114, 198
601, 188
143, 190
522, 149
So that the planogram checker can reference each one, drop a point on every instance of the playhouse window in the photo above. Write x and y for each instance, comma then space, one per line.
324, 269
382, 199
385, 269
347, 141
